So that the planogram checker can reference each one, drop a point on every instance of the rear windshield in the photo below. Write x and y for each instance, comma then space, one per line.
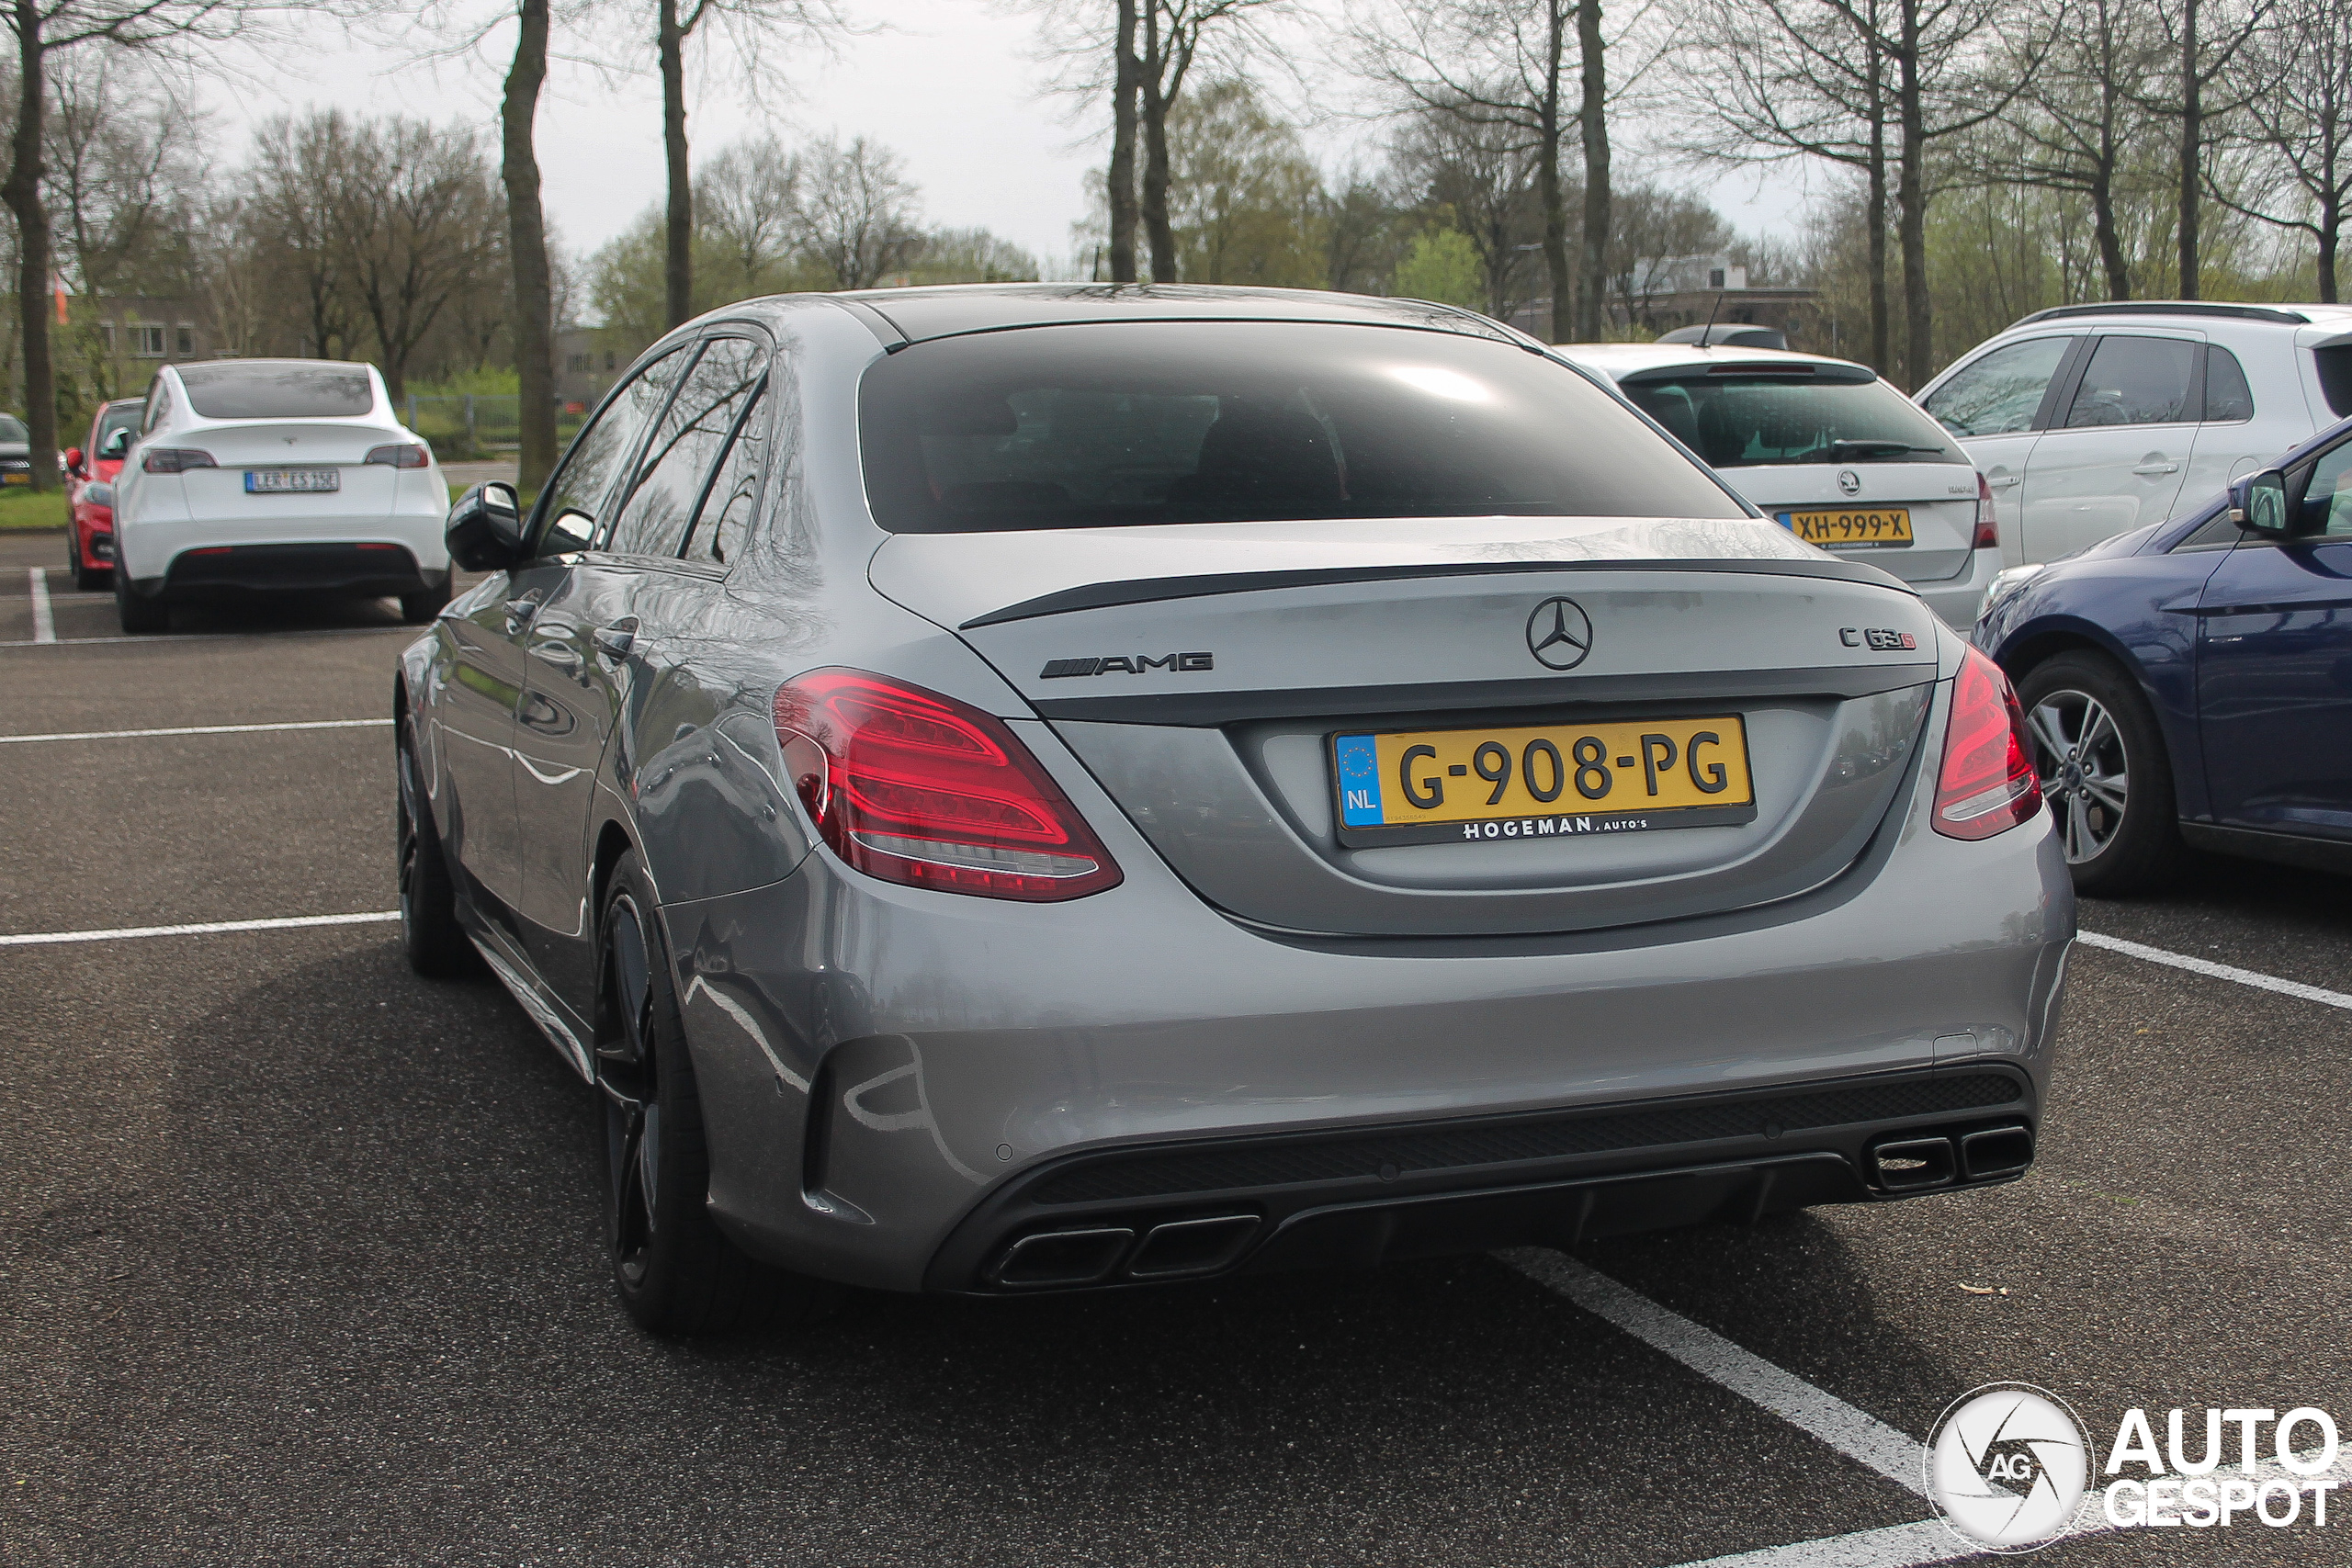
13, 429
1744, 422
282, 391
1099, 426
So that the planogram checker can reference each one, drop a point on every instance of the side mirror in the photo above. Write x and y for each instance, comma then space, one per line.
485, 528
73, 461
2262, 503
98, 493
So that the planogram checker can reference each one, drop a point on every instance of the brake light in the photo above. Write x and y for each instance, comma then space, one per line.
1988, 786
175, 459
918, 788
400, 455
1988, 531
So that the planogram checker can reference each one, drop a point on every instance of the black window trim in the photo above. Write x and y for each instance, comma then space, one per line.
755, 408
534, 534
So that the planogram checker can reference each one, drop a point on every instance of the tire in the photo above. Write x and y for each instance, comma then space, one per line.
90, 579
436, 941
675, 1271
2104, 771
421, 606
139, 617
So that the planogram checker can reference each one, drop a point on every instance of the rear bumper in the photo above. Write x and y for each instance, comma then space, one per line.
1955, 601
1357, 1198
360, 570
894, 1080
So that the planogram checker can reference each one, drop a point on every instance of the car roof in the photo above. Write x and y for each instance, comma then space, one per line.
1620, 360
920, 314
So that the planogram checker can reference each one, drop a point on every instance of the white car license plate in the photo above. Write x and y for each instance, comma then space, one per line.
292, 482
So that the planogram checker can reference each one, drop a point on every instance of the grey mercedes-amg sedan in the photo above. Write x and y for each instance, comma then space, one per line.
1050, 786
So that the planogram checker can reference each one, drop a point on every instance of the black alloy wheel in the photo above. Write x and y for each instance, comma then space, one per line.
2104, 771
674, 1270
430, 930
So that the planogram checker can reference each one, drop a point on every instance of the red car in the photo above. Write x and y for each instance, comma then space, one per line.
89, 491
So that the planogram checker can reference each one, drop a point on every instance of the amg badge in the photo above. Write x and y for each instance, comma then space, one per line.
1125, 664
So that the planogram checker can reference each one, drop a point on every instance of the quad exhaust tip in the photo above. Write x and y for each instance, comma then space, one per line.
1178, 1249
1989, 1154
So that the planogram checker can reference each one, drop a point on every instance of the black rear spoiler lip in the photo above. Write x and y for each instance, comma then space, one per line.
1152, 590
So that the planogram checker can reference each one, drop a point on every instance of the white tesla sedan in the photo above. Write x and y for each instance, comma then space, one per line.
272, 475
1828, 451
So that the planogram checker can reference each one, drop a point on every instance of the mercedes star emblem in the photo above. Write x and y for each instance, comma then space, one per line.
1850, 481
1559, 633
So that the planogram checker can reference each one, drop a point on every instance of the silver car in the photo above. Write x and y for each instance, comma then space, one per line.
1038, 788
1828, 451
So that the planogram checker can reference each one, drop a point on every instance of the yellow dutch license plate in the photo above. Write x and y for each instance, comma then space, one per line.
16, 479
1851, 527
1544, 781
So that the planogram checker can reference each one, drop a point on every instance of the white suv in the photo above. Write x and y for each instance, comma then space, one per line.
1828, 451
2092, 420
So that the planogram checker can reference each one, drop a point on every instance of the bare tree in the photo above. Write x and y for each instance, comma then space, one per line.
1479, 179
125, 179
1175, 34
414, 220
750, 26
2204, 38
527, 248
1774, 84
43, 30
297, 167
857, 211
747, 207
2296, 86
2087, 114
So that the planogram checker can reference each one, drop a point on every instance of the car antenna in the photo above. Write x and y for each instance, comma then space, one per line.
1708, 330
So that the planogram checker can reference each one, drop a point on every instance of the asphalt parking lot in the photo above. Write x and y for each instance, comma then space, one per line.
303, 1261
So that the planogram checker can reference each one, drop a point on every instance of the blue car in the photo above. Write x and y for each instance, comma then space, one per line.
2191, 682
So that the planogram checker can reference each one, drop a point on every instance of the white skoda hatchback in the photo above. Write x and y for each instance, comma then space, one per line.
266, 475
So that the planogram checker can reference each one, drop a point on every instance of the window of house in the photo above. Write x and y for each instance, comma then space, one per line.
186, 340
1714, 277
611, 361
147, 340
106, 336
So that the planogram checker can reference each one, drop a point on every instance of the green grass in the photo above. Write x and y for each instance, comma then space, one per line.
22, 509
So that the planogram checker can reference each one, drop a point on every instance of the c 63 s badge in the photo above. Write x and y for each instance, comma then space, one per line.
1126, 664
1878, 639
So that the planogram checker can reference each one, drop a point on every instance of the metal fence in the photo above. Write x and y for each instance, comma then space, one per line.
465, 424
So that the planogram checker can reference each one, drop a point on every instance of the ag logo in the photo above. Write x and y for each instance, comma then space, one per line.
1559, 633
2006, 1465
1849, 482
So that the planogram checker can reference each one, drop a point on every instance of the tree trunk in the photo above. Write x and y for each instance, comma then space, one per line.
22, 192
2110, 243
1592, 119
1919, 322
1548, 194
2192, 138
1156, 226
1125, 70
526, 239
678, 260
1882, 346
2331, 218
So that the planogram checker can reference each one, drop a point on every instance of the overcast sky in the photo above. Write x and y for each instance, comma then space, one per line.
953, 84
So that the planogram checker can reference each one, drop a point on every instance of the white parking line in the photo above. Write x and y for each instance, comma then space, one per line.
1861, 1437
196, 729
207, 636
2206, 966
40, 939
44, 625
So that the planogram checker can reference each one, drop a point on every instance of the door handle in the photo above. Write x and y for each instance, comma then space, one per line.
2004, 482
520, 610
2153, 469
558, 652
615, 641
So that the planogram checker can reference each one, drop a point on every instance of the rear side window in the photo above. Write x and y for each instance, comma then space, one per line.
2002, 391
2335, 377
1099, 426
2228, 400
2135, 381
1734, 422
262, 388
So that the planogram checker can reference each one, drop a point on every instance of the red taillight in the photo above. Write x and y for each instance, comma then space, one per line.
1988, 531
403, 455
914, 787
175, 459
1988, 786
